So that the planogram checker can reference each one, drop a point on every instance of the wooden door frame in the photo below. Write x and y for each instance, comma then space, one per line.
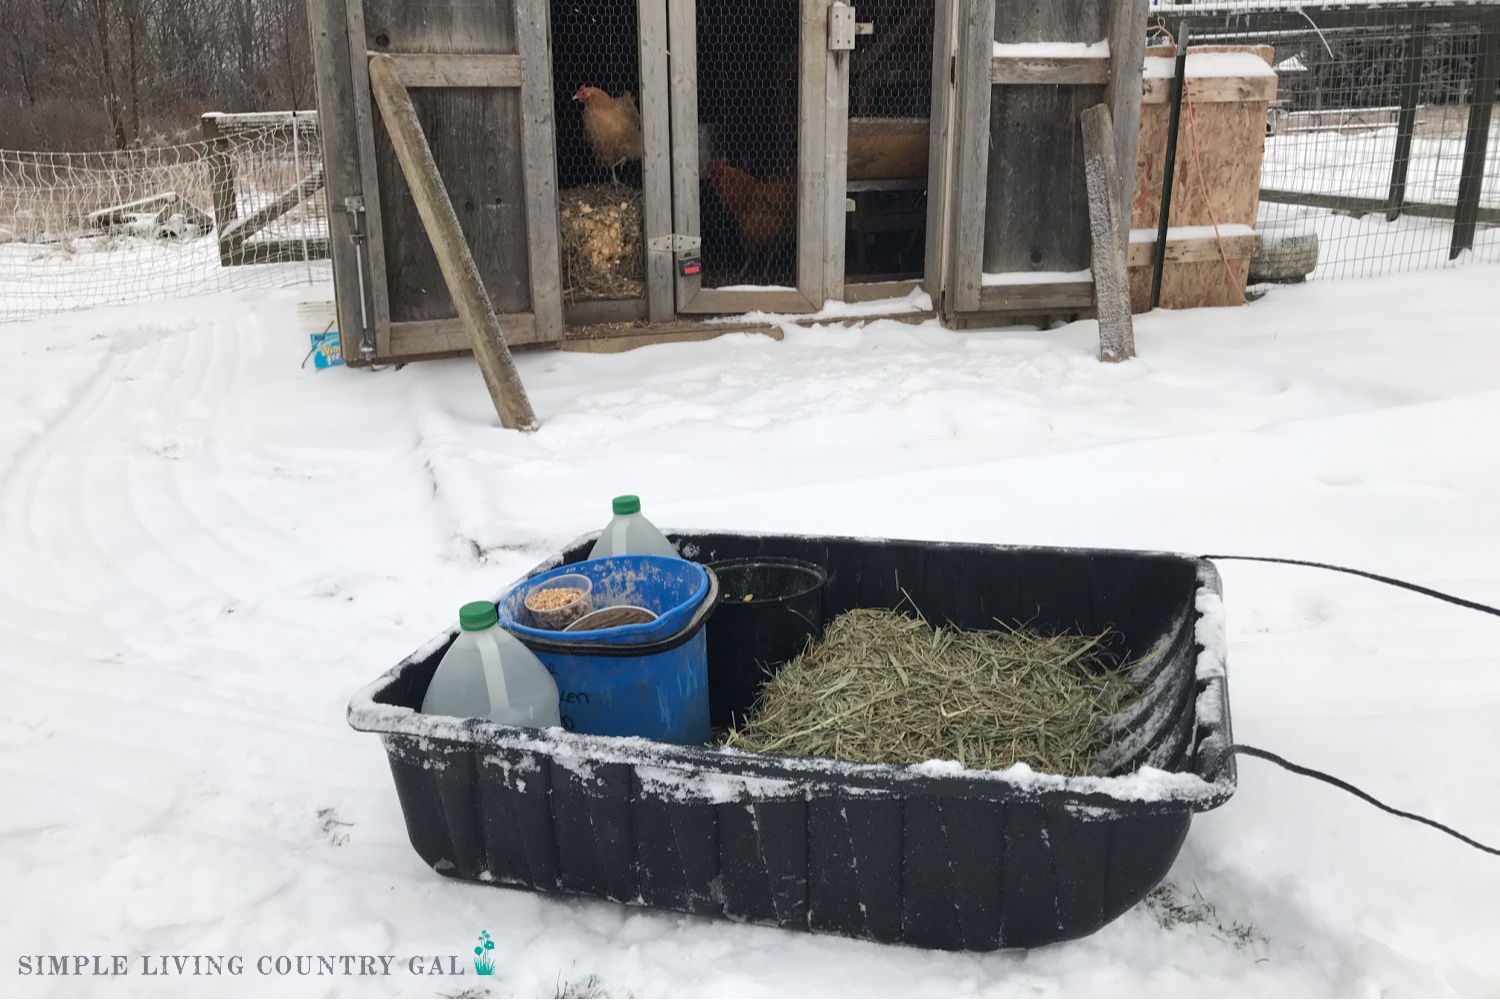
962, 94
344, 85
814, 167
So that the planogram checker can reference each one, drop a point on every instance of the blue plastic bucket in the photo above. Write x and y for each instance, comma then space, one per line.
646, 680
670, 588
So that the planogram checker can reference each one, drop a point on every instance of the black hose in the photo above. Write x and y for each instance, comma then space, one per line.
1462, 602
1307, 772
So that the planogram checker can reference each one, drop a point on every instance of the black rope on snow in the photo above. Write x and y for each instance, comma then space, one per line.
1308, 772
1418, 588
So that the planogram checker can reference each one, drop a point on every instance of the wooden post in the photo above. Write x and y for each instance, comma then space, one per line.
976, 47
221, 182
1111, 289
1406, 120
656, 164
1481, 105
1127, 52
454, 257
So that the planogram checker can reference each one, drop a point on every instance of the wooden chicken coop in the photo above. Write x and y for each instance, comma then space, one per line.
622, 170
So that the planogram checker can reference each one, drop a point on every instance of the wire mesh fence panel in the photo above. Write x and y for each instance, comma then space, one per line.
1370, 134
890, 95
748, 101
596, 75
79, 230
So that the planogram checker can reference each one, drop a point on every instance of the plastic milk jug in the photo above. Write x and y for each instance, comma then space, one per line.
488, 674
630, 534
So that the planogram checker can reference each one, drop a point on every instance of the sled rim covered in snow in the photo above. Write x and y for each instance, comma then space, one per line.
927, 854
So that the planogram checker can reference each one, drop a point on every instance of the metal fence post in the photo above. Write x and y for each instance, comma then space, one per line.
1169, 168
1481, 105
1406, 121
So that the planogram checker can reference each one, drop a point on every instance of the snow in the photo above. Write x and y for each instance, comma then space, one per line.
1052, 50
1225, 230
205, 550
1037, 277
1208, 64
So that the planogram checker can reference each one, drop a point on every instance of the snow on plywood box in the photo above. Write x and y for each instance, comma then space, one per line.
1225, 230
1211, 64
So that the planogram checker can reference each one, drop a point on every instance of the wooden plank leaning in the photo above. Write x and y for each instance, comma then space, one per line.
452, 251
1111, 287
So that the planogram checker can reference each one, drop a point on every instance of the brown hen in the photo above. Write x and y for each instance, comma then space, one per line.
613, 128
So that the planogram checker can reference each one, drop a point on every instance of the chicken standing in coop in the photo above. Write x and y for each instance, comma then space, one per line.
763, 210
613, 128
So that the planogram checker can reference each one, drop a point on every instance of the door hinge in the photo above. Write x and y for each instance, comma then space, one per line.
841, 27
675, 243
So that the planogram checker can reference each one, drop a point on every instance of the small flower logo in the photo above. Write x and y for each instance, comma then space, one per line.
484, 962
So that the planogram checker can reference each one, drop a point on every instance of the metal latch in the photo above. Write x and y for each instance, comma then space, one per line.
354, 207
841, 27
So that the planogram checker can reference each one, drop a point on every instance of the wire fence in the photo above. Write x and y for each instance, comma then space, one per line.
1379, 140
79, 230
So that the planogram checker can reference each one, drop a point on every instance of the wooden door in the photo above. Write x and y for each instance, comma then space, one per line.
752, 184
480, 77
1010, 233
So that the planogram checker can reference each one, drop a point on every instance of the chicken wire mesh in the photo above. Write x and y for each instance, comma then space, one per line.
596, 81
890, 99
748, 101
79, 230
1377, 185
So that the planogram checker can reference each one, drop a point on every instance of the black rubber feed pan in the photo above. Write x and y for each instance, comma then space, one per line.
929, 854
768, 610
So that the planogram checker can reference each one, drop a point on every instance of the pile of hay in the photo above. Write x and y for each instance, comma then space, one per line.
884, 687
603, 256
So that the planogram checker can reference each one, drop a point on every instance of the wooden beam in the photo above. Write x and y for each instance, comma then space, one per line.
1127, 47
938, 181
279, 252
976, 46
1111, 283
835, 171
656, 163
486, 337
1211, 89
813, 189
1048, 295
1059, 70
419, 338
1369, 206
328, 28
362, 119
539, 163
730, 300
241, 230
682, 43
458, 70
618, 341
1194, 251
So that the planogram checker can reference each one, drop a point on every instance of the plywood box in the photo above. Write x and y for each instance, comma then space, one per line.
1221, 136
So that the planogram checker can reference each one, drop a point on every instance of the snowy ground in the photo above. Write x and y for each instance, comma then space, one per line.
204, 549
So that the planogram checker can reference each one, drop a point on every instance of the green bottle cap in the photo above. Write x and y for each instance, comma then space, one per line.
627, 505
478, 616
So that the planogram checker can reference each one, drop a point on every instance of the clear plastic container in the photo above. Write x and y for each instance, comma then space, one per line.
488, 674
630, 534
547, 606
